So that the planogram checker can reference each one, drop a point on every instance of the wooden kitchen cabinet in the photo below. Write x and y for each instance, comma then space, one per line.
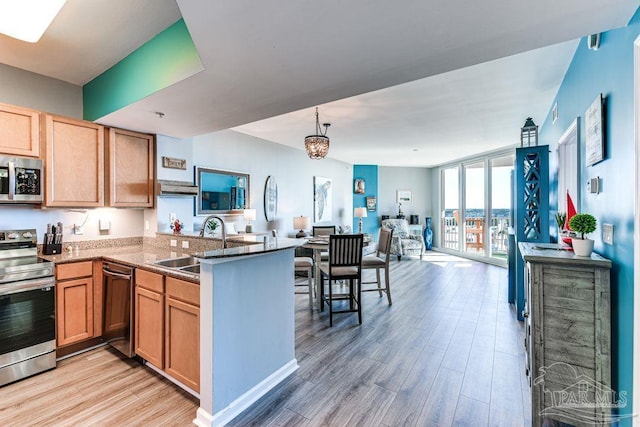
182, 332
74, 302
130, 169
19, 131
167, 328
149, 317
74, 165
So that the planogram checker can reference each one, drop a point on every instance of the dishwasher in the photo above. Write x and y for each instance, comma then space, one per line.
118, 307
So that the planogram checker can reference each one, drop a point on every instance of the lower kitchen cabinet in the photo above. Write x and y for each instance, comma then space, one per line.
182, 332
74, 302
167, 325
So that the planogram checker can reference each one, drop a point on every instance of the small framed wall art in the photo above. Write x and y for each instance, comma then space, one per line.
372, 203
358, 186
593, 125
403, 196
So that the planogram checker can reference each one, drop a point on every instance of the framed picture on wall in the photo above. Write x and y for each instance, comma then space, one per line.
358, 186
321, 199
371, 203
403, 196
593, 125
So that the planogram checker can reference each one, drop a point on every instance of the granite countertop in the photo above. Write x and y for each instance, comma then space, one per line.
262, 244
138, 256
145, 256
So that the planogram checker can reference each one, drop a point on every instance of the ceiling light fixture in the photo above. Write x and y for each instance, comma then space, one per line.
27, 20
317, 145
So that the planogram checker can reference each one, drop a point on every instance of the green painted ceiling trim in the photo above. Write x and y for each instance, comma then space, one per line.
164, 60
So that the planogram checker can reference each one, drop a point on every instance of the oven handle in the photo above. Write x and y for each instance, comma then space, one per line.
27, 285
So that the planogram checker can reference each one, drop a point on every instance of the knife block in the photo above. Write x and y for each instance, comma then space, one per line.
52, 248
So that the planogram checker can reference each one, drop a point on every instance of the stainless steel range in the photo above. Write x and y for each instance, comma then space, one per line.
27, 308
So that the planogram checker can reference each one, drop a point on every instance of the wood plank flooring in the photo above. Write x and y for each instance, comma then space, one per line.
447, 352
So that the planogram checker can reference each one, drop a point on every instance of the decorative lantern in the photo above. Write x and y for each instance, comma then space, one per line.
529, 134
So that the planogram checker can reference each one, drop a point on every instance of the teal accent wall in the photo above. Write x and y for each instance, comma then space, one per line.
609, 71
164, 60
370, 175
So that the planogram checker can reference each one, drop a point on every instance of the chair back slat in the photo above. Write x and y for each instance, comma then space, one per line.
345, 250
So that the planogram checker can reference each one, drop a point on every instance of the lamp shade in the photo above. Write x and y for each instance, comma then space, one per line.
301, 222
360, 212
250, 214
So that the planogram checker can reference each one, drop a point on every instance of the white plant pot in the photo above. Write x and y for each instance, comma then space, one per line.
582, 247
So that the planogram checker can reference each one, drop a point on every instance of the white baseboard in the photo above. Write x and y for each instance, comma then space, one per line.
222, 417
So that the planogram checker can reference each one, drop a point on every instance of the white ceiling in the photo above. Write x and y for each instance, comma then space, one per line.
269, 58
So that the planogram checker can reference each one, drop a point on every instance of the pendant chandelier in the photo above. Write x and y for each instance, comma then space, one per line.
317, 145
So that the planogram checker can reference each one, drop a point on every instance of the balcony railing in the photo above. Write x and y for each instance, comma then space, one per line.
475, 235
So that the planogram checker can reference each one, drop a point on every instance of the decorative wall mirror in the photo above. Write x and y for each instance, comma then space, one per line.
219, 191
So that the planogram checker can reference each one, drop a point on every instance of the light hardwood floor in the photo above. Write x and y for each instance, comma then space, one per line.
447, 352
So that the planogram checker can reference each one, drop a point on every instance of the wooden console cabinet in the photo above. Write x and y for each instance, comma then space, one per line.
167, 326
567, 335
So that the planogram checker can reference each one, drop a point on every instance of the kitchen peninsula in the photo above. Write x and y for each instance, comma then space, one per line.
247, 330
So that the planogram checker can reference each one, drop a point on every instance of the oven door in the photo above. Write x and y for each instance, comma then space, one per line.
27, 318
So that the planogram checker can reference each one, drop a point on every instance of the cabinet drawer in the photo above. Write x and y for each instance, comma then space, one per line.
183, 291
149, 280
73, 270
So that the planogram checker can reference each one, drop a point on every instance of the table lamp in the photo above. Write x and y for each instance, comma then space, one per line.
249, 215
360, 213
301, 223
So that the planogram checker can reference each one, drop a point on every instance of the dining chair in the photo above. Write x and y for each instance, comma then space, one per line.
380, 261
345, 263
302, 264
323, 230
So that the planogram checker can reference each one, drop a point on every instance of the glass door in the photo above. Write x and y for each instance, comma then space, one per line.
501, 171
474, 209
449, 234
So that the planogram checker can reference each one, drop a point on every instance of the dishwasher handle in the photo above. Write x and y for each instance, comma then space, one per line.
117, 270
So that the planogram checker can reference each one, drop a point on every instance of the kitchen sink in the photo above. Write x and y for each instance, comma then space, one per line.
179, 262
191, 268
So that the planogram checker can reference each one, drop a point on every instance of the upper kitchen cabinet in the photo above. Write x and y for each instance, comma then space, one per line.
19, 131
74, 166
130, 169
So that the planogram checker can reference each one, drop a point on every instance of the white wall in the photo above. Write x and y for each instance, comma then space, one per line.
417, 180
30, 90
292, 169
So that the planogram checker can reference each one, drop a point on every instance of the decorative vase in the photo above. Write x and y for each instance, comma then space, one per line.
428, 235
582, 247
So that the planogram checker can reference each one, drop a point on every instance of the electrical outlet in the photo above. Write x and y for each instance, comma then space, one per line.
173, 242
77, 229
185, 244
607, 234
146, 225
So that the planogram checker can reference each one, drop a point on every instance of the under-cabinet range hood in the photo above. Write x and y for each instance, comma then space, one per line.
175, 188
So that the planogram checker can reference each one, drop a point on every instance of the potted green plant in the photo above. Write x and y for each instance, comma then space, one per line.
582, 224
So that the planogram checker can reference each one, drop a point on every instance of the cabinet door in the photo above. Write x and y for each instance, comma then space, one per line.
149, 326
130, 166
182, 342
19, 131
74, 165
74, 310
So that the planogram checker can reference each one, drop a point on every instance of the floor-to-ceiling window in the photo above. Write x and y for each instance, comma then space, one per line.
476, 206
449, 235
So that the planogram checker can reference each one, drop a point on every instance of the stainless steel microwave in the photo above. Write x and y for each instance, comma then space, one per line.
21, 180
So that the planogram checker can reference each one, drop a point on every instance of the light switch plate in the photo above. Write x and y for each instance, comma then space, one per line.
607, 234
104, 224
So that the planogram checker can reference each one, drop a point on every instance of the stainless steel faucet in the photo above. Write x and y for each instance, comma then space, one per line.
224, 233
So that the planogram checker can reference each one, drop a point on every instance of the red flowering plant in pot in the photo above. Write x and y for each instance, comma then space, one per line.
582, 223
